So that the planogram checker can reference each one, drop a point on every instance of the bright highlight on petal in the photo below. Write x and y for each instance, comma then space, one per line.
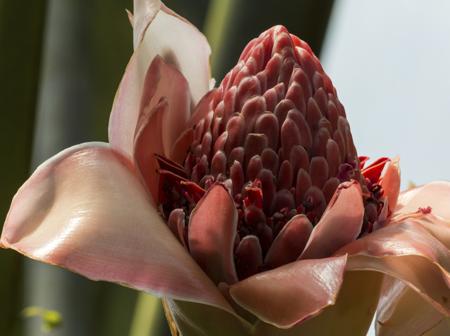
86, 210
177, 41
408, 252
403, 311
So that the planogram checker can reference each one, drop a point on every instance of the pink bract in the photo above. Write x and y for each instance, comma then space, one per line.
100, 209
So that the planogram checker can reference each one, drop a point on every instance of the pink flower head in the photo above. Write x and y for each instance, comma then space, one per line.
245, 206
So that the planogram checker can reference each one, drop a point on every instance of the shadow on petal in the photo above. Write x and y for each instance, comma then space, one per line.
180, 44
408, 252
351, 314
442, 329
142, 88
340, 224
292, 293
401, 311
211, 232
164, 82
148, 142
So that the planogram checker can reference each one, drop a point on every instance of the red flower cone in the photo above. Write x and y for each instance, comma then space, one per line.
246, 207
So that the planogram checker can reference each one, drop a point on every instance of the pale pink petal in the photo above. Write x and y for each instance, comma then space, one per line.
86, 210
442, 329
181, 146
292, 293
290, 242
163, 82
184, 141
203, 107
139, 92
212, 230
340, 224
179, 42
351, 313
148, 142
144, 11
409, 252
390, 183
401, 311
435, 195
125, 109
437, 226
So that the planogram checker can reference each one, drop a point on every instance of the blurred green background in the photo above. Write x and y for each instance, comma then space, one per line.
60, 64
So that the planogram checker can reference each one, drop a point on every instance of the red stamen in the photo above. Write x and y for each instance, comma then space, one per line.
427, 210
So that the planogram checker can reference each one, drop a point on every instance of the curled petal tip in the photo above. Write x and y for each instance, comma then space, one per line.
390, 182
160, 31
144, 12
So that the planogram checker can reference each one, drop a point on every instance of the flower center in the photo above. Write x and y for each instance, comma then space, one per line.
277, 137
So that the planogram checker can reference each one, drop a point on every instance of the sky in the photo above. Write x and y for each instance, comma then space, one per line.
390, 63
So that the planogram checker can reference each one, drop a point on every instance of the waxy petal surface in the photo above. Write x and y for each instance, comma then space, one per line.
212, 230
148, 142
409, 252
202, 108
290, 242
435, 195
171, 87
401, 311
340, 224
391, 184
177, 41
86, 210
125, 109
291, 293
140, 91
144, 11
436, 226
351, 314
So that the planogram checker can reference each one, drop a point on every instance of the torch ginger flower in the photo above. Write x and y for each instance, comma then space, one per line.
245, 206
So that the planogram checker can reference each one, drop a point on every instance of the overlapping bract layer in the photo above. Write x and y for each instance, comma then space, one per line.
275, 134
